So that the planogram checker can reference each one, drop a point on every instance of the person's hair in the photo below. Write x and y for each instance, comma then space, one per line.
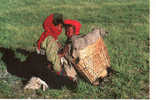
58, 19
68, 25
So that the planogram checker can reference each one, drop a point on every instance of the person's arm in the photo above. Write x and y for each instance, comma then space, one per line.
77, 28
42, 37
46, 26
55, 29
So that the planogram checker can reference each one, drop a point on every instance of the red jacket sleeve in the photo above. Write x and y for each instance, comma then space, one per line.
50, 27
49, 30
74, 23
42, 37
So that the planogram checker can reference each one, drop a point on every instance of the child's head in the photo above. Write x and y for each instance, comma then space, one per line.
58, 19
69, 30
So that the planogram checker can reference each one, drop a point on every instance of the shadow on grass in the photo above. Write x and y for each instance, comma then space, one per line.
34, 65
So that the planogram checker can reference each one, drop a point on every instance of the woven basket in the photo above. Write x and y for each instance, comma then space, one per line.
94, 61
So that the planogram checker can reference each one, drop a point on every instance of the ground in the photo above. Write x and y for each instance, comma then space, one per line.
127, 22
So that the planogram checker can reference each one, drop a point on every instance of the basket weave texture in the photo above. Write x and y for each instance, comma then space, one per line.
94, 60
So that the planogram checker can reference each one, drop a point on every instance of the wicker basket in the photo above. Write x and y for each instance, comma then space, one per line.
94, 60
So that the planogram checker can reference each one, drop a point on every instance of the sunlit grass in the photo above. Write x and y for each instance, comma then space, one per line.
126, 21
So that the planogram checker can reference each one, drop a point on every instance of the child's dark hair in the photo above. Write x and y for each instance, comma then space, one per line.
58, 19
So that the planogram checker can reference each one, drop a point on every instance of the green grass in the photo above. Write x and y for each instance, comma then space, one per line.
128, 42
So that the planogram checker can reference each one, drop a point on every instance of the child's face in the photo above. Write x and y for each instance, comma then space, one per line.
69, 31
59, 27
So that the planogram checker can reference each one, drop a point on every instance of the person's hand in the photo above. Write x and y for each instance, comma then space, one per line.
38, 51
69, 69
63, 51
42, 51
59, 44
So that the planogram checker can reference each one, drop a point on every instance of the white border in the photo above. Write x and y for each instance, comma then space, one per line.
152, 49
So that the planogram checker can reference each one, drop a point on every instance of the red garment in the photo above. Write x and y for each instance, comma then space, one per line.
49, 30
74, 23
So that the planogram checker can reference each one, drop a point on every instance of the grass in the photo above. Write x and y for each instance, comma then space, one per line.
128, 43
